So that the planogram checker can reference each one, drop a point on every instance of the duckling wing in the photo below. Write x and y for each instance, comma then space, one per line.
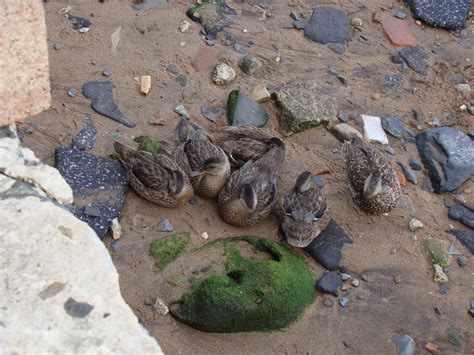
199, 148
266, 190
154, 173
244, 149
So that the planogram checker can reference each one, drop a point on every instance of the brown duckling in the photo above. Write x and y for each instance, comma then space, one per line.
243, 143
371, 179
155, 177
205, 163
303, 212
251, 192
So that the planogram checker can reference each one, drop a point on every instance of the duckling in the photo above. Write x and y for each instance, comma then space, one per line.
372, 180
251, 192
243, 143
205, 163
303, 212
155, 177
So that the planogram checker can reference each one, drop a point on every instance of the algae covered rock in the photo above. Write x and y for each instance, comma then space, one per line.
242, 110
437, 250
167, 249
302, 107
213, 15
250, 64
250, 294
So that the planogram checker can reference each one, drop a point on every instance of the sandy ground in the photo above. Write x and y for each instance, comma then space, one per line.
368, 323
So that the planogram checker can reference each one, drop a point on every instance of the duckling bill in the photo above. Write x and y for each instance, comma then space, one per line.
304, 212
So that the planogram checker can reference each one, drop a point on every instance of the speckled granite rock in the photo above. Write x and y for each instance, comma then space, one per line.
213, 16
328, 25
448, 14
25, 70
301, 107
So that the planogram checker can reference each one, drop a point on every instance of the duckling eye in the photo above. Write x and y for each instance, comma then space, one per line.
288, 212
317, 216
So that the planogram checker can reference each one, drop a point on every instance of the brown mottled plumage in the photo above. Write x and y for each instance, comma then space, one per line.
251, 192
372, 180
243, 143
155, 177
205, 163
303, 212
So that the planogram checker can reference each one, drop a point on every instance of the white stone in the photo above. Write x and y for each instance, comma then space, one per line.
260, 93
223, 74
184, 26
116, 229
439, 275
415, 224
48, 256
373, 131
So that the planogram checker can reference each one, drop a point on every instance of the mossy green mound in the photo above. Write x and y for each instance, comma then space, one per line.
437, 250
168, 249
254, 294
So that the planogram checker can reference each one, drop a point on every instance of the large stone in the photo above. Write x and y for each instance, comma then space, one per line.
242, 110
328, 25
214, 16
448, 14
416, 59
24, 61
448, 154
302, 107
59, 288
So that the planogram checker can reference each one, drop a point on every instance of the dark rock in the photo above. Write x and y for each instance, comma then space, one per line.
463, 214
211, 113
58, 46
343, 117
466, 237
405, 344
319, 181
72, 92
443, 289
214, 17
299, 25
301, 107
329, 283
77, 309
328, 25
92, 211
294, 15
182, 79
102, 100
463, 261
31, 128
393, 80
470, 109
393, 125
106, 72
448, 14
172, 68
96, 181
426, 185
343, 79
151, 4
165, 226
238, 48
328, 302
437, 311
326, 248
396, 58
448, 154
338, 48
343, 301
414, 164
242, 110
229, 40
400, 14
416, 59
390, 150
78, 23
333, 71
364, 37
409, 174
87, 136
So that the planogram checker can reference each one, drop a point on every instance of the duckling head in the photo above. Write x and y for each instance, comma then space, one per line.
211, 177
301, 227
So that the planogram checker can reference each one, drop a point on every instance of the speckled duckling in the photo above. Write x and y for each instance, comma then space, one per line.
205, 163
155, 177
303, 212
372, 180
251, 192
243, 143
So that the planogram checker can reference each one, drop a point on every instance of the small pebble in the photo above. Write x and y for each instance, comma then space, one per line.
294, 15
172, 68
164, 226
470, 109
343, 116
397, 279
238, 48
193, 201
414, 164
32, 128
390, 150
356, 22
365, 278
72, 92
393, 251
437, 311
92, 211
364, 37
343, 79
58, 46
462, 261
400, 14
452, 250
355, 282
328, 302
343, 301
319, 181
106, 72
415, 224
345, 277
443, 289
384, 301
464, 34
333, 71
116, 245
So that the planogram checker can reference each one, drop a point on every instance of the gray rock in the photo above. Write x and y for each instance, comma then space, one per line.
238, 48
343, 301
299, 25
242, 110
72, 92
319, 181
333, 71
343, 79
393, 126
31, 128
87, 136
214, 17
181, 110
463, 214
393, 80
464, 88
294, 15
328, 302
448, 14
58, 46
211, 113
329, 283
463, 261
400, 14
416, 59
343, 117
102, 101
338, 48
328, 25
405, 344
414, 164
452, 250
172, 68
116, 245
466, 237
92, 211
443, 288
165, 226
250, 64
409, 174
302, 106
470, 109
448, 154
182, 79
415, 224
345, 277
106, 72
464, 34
426, 185
390, 150
77, 309
344, 132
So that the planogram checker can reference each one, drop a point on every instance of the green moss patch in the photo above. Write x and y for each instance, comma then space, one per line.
168, 249
437, 251
152, 145
454, 336
253, 294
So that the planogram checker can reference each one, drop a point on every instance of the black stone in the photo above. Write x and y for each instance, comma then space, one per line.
414, 164
96, 181
393, 125
78, 22
416, 59
326, 248
448, 154
213, 17
448, 14
87, 136
329, 283
343, 79
102, 100
294, 15
465, 237
463, 214
77, 309
211, 113
443, 289
92, 211
328, 25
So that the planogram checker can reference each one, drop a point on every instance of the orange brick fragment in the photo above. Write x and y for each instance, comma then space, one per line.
396, 30
432, 348
401, 178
